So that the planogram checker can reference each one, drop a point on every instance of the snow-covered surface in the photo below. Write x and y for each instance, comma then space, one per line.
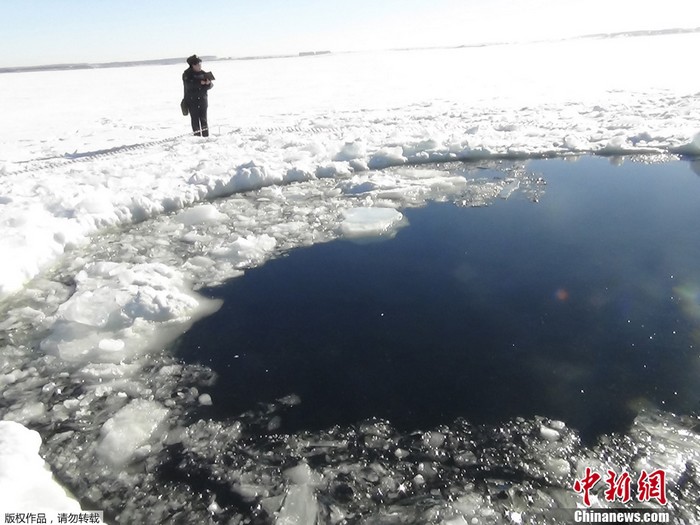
110, 222
285, 120
26, 481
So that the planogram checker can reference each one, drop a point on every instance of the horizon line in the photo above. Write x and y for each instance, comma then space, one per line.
302, 54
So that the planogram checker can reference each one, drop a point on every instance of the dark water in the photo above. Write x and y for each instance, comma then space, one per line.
581, 307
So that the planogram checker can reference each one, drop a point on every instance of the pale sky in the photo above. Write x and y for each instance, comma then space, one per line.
37, 32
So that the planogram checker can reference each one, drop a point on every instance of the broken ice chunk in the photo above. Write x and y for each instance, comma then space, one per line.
129, 429
299, 508
371, 222
549, 434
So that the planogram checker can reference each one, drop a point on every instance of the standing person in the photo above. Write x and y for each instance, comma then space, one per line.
196, 87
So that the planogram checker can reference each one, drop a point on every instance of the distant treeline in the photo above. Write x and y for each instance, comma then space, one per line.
623, 34
313, 53
66, 67
650, 32
156, 62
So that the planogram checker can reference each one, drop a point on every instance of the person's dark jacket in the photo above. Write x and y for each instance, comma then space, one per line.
195, 91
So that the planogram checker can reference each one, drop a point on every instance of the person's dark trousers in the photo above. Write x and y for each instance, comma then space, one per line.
198, 114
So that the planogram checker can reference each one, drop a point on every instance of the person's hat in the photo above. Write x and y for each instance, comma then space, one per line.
194, 59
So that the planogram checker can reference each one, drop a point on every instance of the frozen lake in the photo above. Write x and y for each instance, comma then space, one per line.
547, 303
